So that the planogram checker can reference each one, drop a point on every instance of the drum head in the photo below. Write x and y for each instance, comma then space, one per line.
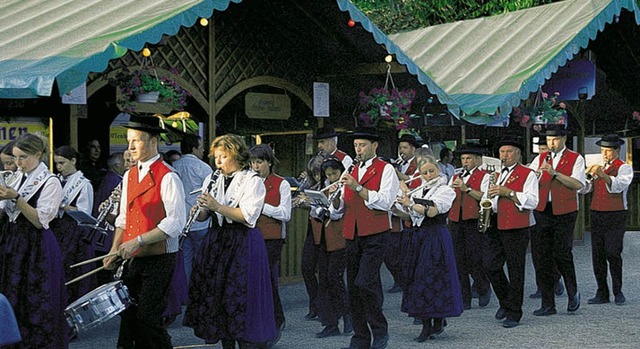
98, 306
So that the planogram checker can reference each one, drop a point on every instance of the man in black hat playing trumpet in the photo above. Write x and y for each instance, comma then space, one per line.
561, 175
152, 215
609, 182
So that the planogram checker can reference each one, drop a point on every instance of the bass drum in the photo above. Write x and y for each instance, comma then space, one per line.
98, 306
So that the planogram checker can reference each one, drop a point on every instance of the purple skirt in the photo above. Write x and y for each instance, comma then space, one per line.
31, 279
178, 294
230, 287
69, 236
430, 278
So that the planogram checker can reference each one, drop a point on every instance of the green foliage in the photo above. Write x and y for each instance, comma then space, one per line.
400, 15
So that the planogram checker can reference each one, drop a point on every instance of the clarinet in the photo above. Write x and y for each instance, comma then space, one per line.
194, 215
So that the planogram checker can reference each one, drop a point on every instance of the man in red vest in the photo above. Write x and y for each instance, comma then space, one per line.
561, 175
609, 183
369, 192
514, 196
406, 167
327, 139
152, 215
468, 242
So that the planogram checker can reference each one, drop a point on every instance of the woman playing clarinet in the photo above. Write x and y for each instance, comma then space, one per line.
31, 270
230, 296
431, 285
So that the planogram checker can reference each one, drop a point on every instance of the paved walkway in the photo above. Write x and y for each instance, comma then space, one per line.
592, 326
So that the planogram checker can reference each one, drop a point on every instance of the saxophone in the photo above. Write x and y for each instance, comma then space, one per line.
486, 206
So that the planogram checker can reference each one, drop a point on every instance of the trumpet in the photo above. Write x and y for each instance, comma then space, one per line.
590, 174
196, 213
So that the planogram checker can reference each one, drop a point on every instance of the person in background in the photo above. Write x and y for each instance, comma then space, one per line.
6, 156
446, 163
561, 175
431, 285
327, 139
273, 220
30, 258
172, 156
77, 195
192, 171
151, 218
128, 159
469, 243
369, 192
514, 197
609, 209
230, 297
90, 164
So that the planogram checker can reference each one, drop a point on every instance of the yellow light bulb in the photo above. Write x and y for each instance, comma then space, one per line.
146, 52
174, 124
388, 59
204, 22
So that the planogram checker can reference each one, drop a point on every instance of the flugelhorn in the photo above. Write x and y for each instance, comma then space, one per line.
97, 227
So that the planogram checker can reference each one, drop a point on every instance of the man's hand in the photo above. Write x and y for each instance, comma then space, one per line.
128, 249
349, 181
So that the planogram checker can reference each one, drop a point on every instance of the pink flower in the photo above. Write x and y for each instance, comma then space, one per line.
636, 115
545, 95
525, 118
562, 105
556, 93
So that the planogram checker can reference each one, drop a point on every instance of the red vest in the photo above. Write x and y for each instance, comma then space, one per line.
470, 207
564, 199
332, 233
340, 154
144, 206
509, 217
271, 228
411, 170
602, 199
369, 222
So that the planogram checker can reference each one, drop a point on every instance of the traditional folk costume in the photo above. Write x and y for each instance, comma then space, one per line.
469, 243
273, 226
509, 239
152, 196
332, 293
230, 295
76, 191
431, 285
31, 269
555, 216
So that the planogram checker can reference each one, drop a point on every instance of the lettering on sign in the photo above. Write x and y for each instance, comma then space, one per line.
11, 130
267, 106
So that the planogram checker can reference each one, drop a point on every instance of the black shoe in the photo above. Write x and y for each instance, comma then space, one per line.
501, 314
574, 303
437, 327
474, 291
380, 343
545, 311
417, 321
559, 288
510, 323
347, 327
598, 300
466, 306
328, 331
619, 299
536, 294
311, 315
395, 288
484, 299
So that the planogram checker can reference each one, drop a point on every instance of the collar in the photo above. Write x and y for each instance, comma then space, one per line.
146, 164
367, 163
560, 152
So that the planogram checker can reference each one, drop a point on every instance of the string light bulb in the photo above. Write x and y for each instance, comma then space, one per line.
146, 52
388, 58
351, 23
204, 22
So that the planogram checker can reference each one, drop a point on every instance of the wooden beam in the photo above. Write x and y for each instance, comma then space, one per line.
369, 69
212, 110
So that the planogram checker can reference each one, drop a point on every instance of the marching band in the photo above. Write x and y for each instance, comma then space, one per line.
443, 240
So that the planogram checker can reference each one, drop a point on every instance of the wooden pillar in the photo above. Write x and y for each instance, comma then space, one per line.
73, 126
578, 232
212, 82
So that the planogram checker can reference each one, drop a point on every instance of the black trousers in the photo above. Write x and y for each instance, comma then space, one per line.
364, 259
510, 247
393, 256
607, 236
148, 280
333, 303
274, 252
552, 243
309, 264
470, 247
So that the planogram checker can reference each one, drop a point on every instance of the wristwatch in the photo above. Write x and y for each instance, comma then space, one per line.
512, 194
358, 188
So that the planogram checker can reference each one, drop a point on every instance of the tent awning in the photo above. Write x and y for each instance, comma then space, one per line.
492, 63
63, 40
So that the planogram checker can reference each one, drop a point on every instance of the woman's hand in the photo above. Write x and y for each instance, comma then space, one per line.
7, 193
209, 202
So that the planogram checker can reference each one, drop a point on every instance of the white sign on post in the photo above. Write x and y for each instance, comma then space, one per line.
76, 96
321, 99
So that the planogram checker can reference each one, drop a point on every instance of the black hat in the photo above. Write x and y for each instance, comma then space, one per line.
555, 130
325, 132
470, 148
542, 140
150, 124
610, 141
365, 133
409, 139
510, 140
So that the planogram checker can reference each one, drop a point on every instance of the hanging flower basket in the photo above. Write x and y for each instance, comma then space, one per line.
149, 97
544, 111
383, 107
